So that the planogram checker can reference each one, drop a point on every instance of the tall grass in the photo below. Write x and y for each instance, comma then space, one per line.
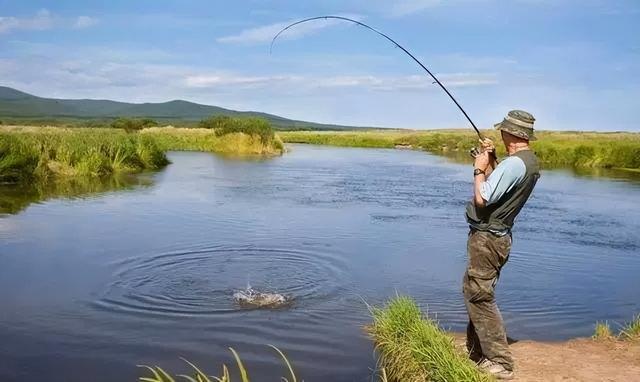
44, 152
573, 149
157, 374
414, 348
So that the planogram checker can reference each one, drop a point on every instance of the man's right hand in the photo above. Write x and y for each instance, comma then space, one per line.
489, 147
487, 144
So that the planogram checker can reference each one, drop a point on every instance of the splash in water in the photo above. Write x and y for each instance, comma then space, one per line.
252, 298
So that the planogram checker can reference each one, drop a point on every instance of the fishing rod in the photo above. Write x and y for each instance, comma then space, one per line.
392, 41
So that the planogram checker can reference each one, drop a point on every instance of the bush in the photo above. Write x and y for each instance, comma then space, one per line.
224, 125
132, 124
215, 122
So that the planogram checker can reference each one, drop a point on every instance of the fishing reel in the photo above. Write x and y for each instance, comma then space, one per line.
474, 152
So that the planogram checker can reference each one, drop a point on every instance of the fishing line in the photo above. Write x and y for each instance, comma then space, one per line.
392, 41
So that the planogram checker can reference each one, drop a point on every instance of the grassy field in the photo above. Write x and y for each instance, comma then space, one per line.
46, 152
412, 347
555, 149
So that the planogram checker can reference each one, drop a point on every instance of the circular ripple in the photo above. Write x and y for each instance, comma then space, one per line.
202, 281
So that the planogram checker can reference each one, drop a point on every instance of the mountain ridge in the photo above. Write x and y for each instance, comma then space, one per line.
18, 104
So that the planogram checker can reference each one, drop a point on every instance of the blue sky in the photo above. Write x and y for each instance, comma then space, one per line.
573, 64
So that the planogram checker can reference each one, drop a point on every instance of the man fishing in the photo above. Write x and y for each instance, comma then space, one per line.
499, 193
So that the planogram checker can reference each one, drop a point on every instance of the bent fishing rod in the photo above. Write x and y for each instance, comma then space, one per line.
393, 42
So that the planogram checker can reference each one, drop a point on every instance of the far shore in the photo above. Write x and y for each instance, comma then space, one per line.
607, 150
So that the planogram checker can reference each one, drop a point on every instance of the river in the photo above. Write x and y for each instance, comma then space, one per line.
94, 284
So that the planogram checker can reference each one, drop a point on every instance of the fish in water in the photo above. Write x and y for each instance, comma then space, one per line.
252, 298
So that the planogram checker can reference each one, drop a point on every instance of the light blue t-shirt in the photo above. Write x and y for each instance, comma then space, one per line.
508, 174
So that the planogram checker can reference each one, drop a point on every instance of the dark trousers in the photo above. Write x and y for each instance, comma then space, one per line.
486, 335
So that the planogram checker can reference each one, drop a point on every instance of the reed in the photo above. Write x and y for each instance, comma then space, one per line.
157, 374
412, 347
555, 149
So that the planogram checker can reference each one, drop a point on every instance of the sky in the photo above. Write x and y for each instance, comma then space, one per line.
573, 64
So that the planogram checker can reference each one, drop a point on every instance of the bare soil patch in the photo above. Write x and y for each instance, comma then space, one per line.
582, 359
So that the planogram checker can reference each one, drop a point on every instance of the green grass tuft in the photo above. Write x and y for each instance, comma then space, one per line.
602, 331
157, 374
412, 347
631, 330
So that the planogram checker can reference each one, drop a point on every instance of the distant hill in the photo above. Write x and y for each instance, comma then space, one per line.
20, 105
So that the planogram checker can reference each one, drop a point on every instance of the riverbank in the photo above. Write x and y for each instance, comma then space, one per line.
28, 152
412, 347
555, 149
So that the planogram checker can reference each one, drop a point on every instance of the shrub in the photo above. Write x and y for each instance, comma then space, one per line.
132, 124
224, 125
215, 122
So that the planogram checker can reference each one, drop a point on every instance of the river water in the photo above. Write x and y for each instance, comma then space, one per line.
94, 284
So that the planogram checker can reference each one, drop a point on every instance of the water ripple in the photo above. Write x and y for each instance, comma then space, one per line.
202, 281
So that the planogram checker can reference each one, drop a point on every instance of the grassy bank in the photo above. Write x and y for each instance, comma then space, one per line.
46, 152
27, 152
555, 149
412, 347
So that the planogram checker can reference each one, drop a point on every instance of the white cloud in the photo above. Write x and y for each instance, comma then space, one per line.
85, 22
266, 32
369, 82
44, 20
219, 80
41, 21
407, 7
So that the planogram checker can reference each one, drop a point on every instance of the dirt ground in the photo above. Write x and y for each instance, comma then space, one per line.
583, 360
577, 360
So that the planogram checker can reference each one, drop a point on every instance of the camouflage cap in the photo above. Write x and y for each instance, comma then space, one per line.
518, 123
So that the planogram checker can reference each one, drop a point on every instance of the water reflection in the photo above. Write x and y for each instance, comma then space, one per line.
16, 197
